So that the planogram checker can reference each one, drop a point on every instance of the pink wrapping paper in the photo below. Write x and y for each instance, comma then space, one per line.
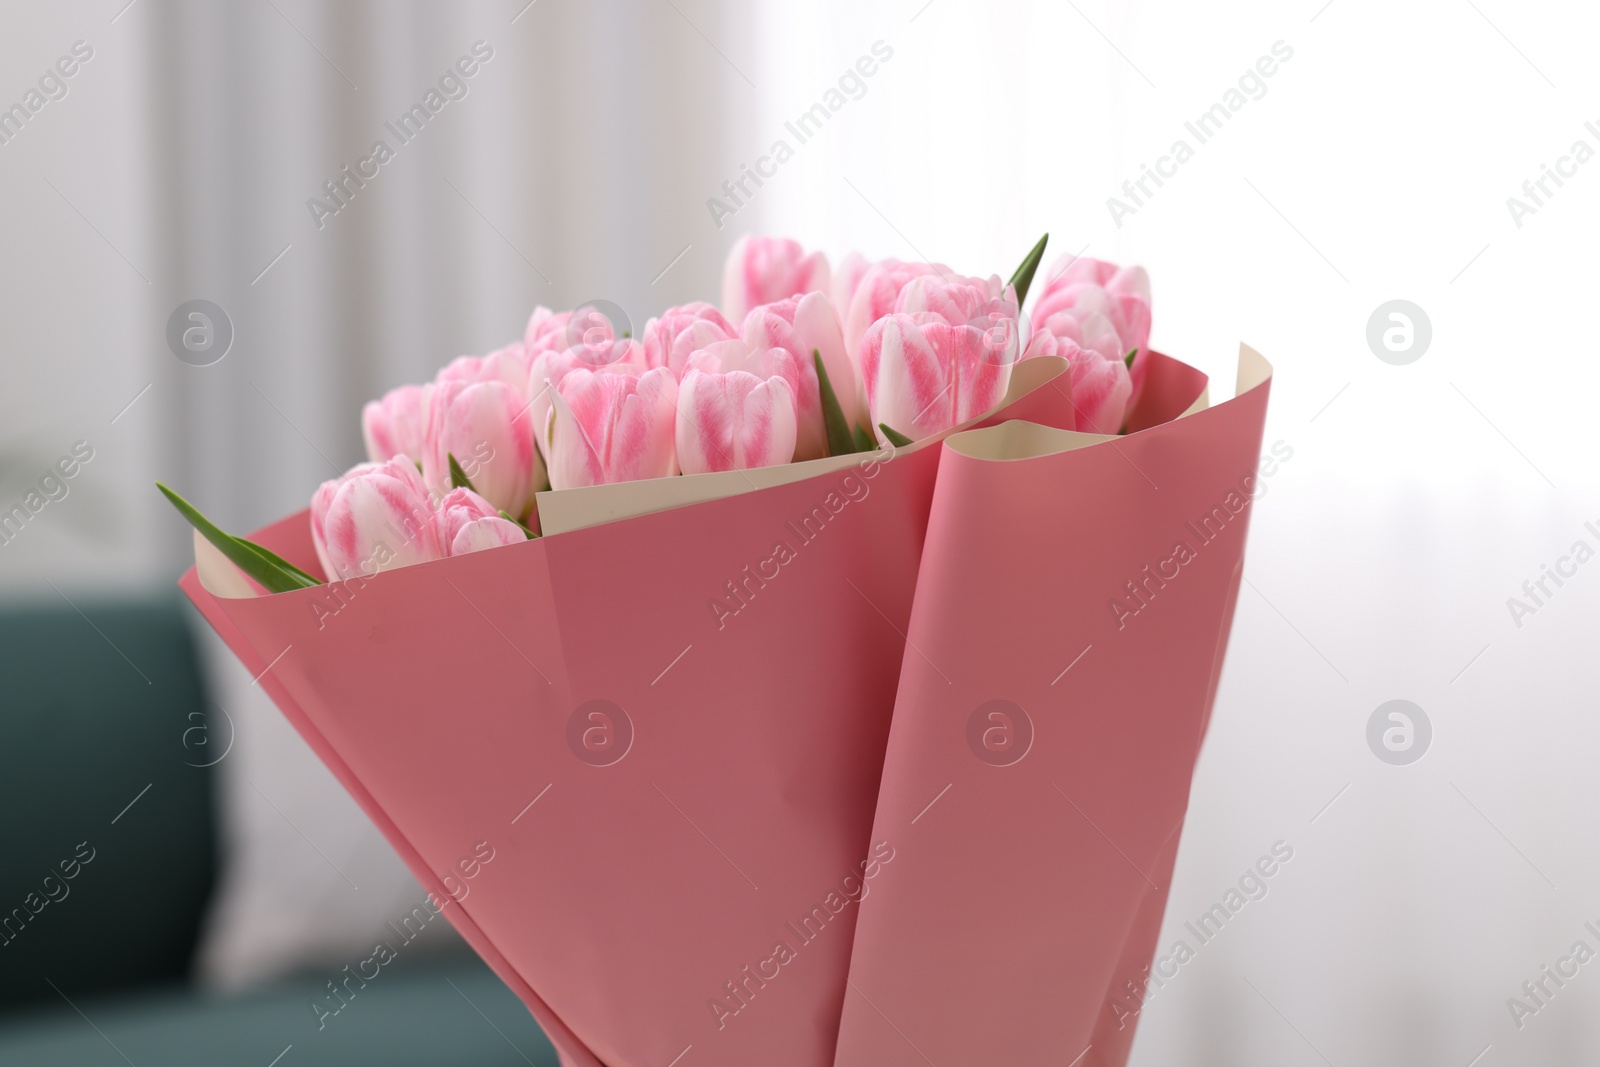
670, 732
1043, 742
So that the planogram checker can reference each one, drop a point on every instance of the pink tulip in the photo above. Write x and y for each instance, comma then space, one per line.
1092, 331
377, 516
486, 426
592, 337
764, 362
1100, 382
392, 426
1101, 390
801, 326
944, 357
461, 369
1078, 287
762, 270
846, 279
507, 365
545, 328
466, 522
671, 337
876, 294
612, 427
586, 333
551, 367
733, 421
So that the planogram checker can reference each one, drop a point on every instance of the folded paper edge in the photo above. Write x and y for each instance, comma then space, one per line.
1017, 439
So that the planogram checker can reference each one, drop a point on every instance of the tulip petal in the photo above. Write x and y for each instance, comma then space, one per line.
734, 421
1100, 391
486, 427
612, 427
485, 533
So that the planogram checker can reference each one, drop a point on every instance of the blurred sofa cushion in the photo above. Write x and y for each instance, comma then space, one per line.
417, 1013
306, 882
109, 847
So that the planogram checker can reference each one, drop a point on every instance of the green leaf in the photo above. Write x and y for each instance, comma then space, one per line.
899, 440
840, 442
275, 560
275, 574
506, 515
864, 439
1023, 278
1128, 359
458, 477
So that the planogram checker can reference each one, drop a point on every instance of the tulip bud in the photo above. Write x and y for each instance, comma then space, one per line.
612, 427
551, 367
670, 338
1079, 288
876, 295
762, 270
545, 329
375, 517
733, 421
800, 326
466, 522
846, 279
1100, 383
487, 427
944, 357
392, 426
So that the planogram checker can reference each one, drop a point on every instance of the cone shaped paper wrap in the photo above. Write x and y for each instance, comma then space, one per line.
851, 762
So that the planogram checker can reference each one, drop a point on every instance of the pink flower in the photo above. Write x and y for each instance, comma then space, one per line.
846, 279
585, 334
486, 426
466, 522
612, 427
545, 328
551, 367
507, 365
375, 517
733, 421
1079, 287
1100, 382
943, 357
591, 336
461, 369
764, 362
762, 270
379, 516
801, 326
876, 294
671, 337
392, 426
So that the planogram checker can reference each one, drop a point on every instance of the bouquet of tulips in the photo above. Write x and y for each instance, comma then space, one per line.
916, 805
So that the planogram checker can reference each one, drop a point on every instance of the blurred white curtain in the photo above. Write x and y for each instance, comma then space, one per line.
567, 172
1372, 163
179, 166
